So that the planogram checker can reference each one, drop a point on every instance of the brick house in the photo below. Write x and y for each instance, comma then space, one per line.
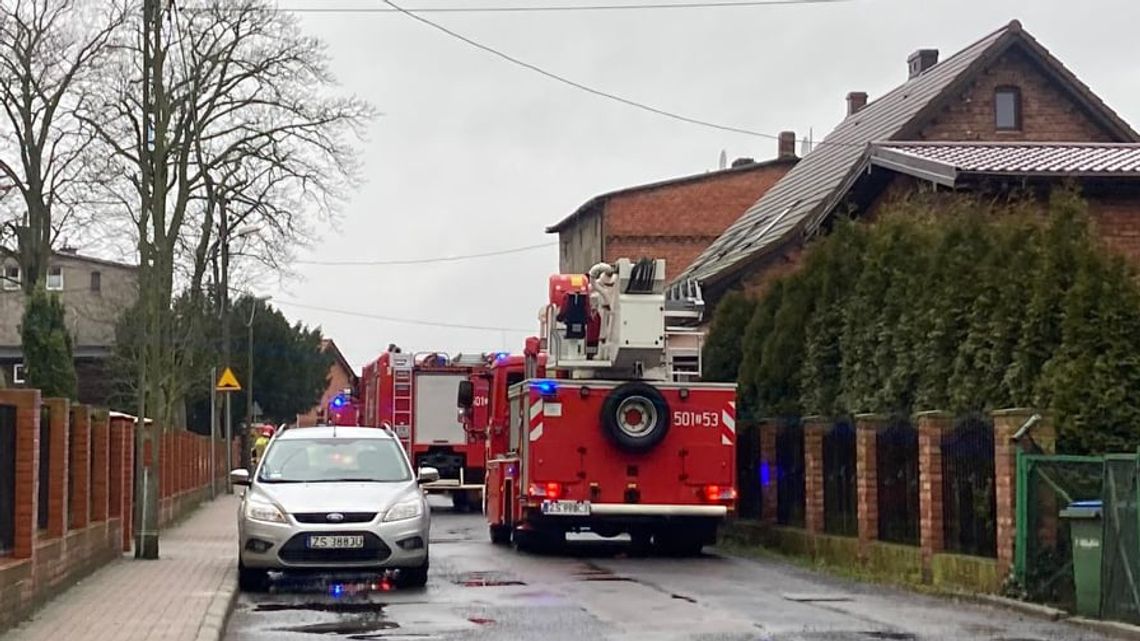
341, 377
1001, 113
94, 293
673, 219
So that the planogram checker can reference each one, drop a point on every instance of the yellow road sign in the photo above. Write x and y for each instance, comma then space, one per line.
227, 382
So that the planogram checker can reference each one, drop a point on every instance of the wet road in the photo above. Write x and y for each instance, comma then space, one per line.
593, 591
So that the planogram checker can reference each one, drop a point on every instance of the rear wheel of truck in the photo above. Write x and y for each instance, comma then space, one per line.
460, 501
539, 541
500, 534
679, 542
635, 417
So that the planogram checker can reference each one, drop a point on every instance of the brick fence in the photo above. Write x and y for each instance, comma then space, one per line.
90, 456
927, 558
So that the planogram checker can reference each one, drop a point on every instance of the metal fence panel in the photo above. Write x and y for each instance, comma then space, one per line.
839, 490
7, 477
896, 457
44, 487
790, 473
969, 510
748, 478
1120, 569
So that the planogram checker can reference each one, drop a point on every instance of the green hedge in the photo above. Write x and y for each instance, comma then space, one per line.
947, 302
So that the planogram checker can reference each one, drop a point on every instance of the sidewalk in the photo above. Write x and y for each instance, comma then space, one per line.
184, 595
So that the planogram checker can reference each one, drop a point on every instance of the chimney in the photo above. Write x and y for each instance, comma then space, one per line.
740, 162
787, 145
856, 100
921, 60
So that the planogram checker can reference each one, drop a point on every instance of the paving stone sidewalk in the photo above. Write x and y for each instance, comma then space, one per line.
185, 595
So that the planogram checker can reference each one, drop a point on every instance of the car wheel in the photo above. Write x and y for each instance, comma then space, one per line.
414, 577
252, 579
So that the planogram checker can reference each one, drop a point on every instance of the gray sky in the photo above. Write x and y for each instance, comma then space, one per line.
473, 154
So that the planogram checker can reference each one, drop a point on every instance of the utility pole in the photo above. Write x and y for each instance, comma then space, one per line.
224, 238
214, 434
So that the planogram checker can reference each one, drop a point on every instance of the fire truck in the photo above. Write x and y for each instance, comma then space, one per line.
597, 429
414, 395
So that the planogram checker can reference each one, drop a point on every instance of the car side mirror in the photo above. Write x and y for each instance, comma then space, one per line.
239, 477
428, 475
466, 395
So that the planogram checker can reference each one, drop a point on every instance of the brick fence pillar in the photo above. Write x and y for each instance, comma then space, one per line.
931, 427
60, 457
80, 472
867, 427
100, 466
1006, 425
814, 429
769, 479
27, 404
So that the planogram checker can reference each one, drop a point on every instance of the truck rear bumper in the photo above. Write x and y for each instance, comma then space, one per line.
640, 509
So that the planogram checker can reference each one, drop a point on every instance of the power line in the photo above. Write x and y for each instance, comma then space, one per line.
393, 319
576, 85
424, 261
564, 8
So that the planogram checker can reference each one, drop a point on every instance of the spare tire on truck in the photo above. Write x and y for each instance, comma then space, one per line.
635, 417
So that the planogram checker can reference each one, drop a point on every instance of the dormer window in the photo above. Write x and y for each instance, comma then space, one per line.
1007, 109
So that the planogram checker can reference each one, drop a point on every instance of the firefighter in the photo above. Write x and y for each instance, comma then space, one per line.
263, 435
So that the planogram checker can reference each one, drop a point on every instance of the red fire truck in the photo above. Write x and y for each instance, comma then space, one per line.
596, 429
414, 394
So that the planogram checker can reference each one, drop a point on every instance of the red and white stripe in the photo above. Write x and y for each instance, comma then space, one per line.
728, 424
536, 416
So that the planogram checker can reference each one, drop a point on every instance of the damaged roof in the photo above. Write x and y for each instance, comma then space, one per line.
803, 198
944, 163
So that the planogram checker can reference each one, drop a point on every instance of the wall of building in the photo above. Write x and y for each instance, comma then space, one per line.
1048, 112
580, 244
91, 315
339, 380
679, 221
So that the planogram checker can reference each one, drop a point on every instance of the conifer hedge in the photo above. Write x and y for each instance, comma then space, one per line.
952, 303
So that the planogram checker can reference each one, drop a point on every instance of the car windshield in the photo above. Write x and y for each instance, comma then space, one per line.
328, 460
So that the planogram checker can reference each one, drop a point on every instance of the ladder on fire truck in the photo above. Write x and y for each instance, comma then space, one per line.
402, 366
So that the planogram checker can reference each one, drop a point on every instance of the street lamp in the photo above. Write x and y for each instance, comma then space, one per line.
249, 346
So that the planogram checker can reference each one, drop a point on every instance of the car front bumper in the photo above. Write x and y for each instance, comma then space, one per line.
283, 546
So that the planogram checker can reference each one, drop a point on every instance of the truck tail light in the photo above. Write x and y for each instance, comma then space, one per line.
719, 493
550, 490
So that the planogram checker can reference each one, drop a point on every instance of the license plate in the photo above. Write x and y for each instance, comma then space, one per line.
328, 542
571, 508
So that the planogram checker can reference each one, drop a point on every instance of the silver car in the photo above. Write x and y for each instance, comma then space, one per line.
333, 498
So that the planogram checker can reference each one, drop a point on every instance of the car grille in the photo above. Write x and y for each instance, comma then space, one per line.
295, 550
322, 517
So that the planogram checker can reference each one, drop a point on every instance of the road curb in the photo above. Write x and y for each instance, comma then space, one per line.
218, 613
1111, 628
1024, 607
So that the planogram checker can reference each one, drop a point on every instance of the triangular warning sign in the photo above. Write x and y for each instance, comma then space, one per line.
227, 382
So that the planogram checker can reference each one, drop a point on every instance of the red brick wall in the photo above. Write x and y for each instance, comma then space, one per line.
814, 429
678, 221
339, 379
1047, 112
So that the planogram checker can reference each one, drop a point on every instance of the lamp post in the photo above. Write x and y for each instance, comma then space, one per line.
249, 347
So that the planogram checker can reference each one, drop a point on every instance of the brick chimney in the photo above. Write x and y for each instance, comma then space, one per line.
921, 60
856, 100
787, 145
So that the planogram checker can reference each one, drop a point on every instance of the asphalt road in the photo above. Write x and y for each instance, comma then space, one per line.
593, 591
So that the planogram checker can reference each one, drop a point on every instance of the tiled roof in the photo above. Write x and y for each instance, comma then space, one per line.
943, 162
807, 193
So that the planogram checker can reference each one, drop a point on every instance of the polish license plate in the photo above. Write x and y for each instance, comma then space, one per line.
329, 542
571, 508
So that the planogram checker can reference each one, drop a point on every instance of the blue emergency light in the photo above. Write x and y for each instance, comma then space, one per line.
338, 401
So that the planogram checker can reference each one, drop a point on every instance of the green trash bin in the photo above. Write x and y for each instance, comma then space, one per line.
1086, 531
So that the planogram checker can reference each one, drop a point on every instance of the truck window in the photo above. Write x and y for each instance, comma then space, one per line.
514, 378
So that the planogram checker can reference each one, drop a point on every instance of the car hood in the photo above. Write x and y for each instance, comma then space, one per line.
336, 497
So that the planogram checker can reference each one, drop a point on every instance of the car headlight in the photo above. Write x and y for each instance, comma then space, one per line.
262, 511
403, 511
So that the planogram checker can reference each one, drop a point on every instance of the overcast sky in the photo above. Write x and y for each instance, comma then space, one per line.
473, 154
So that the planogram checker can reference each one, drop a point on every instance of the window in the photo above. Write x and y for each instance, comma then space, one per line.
18, 373
332, 460
55, 278
11, 277
96, 282
1007, 108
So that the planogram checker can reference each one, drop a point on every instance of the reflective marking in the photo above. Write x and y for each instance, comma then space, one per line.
536, 433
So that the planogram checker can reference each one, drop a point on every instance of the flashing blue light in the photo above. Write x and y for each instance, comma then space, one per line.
502, 356
546, 388
765, 474
339, 401
336, 589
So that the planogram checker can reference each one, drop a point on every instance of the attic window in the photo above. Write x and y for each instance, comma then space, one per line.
1007, 109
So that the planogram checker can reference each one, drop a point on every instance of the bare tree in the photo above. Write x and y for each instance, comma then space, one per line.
50, 53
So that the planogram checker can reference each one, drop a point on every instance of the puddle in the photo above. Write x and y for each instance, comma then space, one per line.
890, 636
485, 579
353, 626
815, 598
335, 608
591, 572
684, 598
480, 620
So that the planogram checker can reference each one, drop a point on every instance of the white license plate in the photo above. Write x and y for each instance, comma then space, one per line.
572, 508
327, 542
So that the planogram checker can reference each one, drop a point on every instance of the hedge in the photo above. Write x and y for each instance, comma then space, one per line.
947, 302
